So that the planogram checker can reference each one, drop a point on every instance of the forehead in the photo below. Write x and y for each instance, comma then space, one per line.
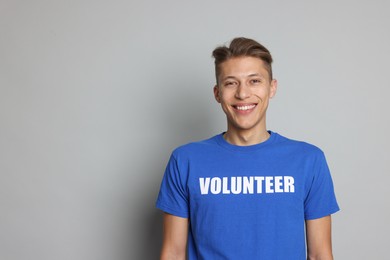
242, 67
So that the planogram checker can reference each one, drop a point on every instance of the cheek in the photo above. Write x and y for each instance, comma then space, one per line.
224, 96
261, 94
225, 102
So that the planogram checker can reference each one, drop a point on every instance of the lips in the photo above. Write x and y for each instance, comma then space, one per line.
244, 107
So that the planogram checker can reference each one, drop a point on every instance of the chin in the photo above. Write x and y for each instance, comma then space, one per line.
245, 127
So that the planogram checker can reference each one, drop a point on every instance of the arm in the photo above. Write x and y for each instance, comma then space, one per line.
318, 236
175, 231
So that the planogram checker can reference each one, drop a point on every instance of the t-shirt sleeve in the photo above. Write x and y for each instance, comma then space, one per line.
173, 195
320, 200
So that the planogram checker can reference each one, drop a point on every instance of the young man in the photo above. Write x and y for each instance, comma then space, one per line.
247, 193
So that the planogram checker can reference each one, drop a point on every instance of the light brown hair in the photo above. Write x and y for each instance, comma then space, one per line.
241, 47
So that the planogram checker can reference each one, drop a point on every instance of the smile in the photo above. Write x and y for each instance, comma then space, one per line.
244, 108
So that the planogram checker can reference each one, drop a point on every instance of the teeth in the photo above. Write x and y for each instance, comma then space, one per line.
245, 107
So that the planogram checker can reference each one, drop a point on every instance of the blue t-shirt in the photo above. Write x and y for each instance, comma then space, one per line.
247, 202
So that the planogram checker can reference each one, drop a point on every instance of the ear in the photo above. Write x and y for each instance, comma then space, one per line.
217, 93
273, 88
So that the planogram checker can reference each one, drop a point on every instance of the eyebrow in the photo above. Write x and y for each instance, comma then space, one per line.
255, 75
248, 76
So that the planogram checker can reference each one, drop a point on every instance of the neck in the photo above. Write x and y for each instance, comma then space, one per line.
245, 138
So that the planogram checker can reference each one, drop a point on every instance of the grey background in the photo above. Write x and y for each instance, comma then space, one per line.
95, 95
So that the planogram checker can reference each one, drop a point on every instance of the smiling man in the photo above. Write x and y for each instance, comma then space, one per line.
247, 193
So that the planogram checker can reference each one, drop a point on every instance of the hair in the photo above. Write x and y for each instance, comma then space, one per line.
242, 47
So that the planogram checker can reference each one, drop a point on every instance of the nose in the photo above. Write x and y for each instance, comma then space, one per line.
243, 92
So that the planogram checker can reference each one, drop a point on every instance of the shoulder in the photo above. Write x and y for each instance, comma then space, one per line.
196, 148
297, 146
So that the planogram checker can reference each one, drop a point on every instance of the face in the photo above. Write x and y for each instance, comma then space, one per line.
244, 90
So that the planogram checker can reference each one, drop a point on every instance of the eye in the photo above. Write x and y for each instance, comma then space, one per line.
229, 83
255, 81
